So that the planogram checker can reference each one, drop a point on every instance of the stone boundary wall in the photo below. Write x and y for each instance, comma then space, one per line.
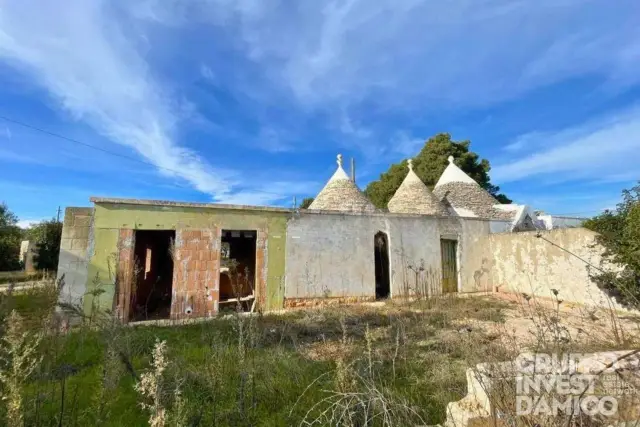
75, 250
539, 262
492, 386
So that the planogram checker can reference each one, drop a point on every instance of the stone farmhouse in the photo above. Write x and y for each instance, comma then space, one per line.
148, 259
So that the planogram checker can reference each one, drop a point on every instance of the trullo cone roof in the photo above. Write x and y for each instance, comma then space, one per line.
413, 197
341, 194
465, 196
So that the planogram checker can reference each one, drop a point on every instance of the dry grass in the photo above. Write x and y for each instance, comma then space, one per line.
386, 364
554, 328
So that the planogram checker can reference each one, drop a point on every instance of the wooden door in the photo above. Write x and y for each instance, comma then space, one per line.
449, 265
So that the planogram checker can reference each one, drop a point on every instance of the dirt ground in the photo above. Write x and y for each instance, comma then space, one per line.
526, 319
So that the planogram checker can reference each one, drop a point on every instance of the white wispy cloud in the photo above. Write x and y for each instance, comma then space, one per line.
87, 63
422, 55
349, 127
602, 150
87, 55
406, 144
207, 73
523, 142
454, 53
331, 57
12, 156
274, 140
276, 190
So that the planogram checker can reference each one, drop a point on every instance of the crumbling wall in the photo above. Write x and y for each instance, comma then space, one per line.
124, 272
27, 251
75, 250
331, 255
525, 263
492, 389
196, 226
196, 273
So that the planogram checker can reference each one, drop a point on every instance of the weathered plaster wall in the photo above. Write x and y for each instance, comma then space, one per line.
110, 218
27, 251
332, 255
524, 263
474, 233
75, 248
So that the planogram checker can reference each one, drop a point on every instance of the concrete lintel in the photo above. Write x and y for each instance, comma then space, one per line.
144, 202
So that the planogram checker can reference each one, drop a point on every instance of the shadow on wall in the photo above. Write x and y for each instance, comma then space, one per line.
74, 268
420, 281
482, 276
540, 262
414, 278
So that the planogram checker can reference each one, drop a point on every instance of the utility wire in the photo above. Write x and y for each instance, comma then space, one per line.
124, 156
540, 236
575, 213
134, 159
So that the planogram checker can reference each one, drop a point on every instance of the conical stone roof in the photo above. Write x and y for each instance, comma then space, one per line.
413, 197
341, 194
465, 196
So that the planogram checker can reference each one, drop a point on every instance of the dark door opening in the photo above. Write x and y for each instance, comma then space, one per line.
237, 269
449, 251
151, 294
381, 248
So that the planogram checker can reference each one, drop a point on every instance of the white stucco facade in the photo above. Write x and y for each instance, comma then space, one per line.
332, 255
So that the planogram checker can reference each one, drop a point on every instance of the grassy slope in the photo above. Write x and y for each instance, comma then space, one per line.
418, 357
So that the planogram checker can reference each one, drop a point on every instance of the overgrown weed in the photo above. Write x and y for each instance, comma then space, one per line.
392, 364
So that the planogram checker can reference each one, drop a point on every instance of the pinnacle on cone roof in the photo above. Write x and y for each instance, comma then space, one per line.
341, 194
413, 197
464, 195
454, 174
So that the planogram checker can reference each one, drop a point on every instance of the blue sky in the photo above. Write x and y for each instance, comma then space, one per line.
249, 101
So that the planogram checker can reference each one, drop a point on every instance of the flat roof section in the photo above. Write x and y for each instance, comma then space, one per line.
145, 202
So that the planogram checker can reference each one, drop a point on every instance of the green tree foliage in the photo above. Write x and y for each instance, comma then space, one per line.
429, 165
10, 238
306, 202
619, 233
46, 235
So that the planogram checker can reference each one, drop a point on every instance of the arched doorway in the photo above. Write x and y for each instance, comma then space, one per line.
381, 252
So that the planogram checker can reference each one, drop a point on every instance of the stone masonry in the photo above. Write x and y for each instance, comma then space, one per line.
75, 249
471, 197
341, 194
413, 197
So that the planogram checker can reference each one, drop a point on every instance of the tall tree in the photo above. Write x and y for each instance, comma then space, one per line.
306, 202
46, 235
10, 238
429, 164
619, 233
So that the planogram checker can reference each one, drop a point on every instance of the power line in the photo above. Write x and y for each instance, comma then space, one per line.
124, 156
540, 236
574, 213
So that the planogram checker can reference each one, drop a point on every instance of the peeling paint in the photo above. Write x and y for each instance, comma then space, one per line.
524, 263
335, 254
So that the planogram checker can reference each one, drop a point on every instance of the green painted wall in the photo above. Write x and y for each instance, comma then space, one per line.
101, 270
109, 218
